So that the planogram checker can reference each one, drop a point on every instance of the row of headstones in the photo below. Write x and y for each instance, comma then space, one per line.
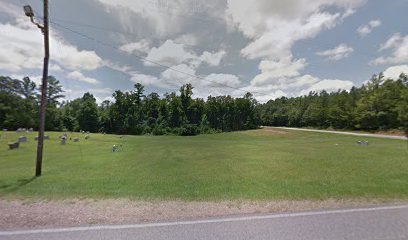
64, 138
19, 130
21, 139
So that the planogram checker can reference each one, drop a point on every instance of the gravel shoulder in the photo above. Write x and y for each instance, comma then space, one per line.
26, 214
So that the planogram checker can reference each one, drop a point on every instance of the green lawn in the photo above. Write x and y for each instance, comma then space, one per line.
256, 164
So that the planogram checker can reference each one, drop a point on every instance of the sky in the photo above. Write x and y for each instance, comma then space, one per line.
269, 48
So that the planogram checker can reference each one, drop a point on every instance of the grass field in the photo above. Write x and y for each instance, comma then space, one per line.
260, 164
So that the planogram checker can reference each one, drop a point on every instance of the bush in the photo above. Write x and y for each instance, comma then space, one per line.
159, 130
209, 131
188, 130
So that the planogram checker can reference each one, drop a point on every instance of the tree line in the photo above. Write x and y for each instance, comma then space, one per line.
131, 112
380, 104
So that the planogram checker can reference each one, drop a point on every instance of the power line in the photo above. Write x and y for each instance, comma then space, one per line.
153, 62
121, 32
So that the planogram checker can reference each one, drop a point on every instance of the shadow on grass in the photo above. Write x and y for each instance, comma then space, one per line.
12, 187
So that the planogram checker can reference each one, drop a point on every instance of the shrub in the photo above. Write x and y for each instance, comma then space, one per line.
188, 130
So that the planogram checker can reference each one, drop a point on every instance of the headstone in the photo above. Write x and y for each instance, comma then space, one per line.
30, 129
114, 148
76, 139
5, 129
22, 139
63, 140
362, 143
13, 145
87, 137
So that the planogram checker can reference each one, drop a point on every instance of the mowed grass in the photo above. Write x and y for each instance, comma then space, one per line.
255, 165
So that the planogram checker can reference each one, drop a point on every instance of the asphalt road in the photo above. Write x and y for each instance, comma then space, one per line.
387, 223
345, 133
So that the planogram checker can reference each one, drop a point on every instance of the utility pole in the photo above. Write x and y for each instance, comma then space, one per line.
45, 30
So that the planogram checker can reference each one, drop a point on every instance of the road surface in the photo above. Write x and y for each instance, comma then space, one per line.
386, 223
344, 133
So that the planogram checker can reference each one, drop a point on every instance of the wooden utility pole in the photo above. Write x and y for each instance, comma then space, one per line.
40, 146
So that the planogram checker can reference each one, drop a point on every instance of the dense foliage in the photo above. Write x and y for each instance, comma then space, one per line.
380, 104
131, 112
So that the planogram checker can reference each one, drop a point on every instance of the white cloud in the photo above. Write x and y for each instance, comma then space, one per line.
337, 53
76, 75
364, 30
272, 70
99, 100
274, 26
393, 42
118, 67
187, 39
261, 94
220, 80
398, 45
270, 96
55, 68
328, 85
205, 85
179, 74
10, 9
215, 84
302, 81
169, 54
277, 41
163, 18
147, 80
142, 46
395, 71
172, 54
21, 48
101, 90
100, 94
212, 59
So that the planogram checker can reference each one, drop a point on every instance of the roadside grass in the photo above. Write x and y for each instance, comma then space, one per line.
253, 165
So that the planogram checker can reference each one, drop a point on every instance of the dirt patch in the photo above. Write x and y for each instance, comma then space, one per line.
266, 132
20, 214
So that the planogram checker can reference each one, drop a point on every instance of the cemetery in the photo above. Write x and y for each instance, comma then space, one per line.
258, 164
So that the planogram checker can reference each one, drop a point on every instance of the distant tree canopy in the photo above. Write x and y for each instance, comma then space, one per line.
380, 104
134, 112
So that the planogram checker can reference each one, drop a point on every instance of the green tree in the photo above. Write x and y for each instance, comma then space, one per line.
88, 118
